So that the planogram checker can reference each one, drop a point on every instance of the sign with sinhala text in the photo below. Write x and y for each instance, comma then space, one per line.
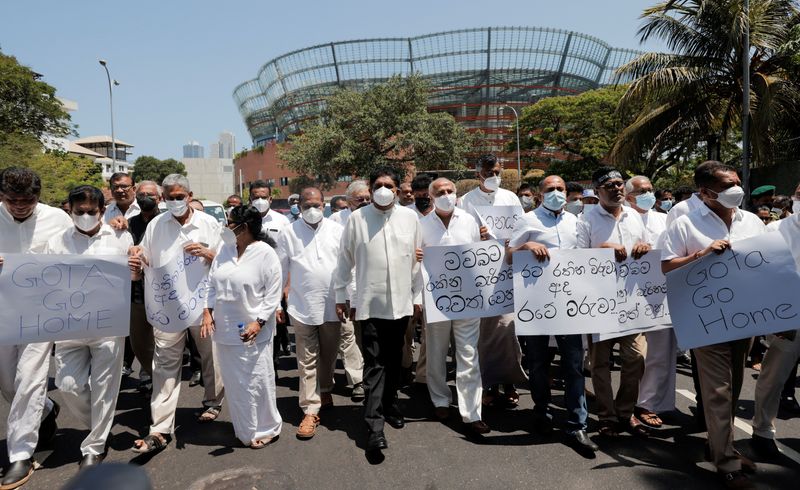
572, 292
748, 290
467, 281
174, 294
63, 297
500, 220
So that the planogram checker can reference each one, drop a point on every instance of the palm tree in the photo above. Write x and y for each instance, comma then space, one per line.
695, 92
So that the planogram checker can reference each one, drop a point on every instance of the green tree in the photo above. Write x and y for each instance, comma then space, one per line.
59, 171
27, 104
151, 168
696, 91
387, 124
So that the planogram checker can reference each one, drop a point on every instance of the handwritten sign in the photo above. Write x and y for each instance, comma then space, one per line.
175, 293
748, 290
572, 292
63, 297
467, 281
500, 220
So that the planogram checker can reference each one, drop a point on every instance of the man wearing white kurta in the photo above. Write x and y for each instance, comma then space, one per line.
181, 230
708, 229
612, 225
498, 346
448, 225
88, 371
657, 388
309, 250
244, 294
25, 227
272, 222
380, 242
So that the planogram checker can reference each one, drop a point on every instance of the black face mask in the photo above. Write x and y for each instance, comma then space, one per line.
422, 203
365, 203
146, 203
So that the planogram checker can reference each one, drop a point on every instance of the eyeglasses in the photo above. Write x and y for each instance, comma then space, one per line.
613, 185
124, 188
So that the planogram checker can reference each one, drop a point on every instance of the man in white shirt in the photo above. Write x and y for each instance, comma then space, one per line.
89, 371
177, 232
499, 348
711, 228
688, 205
380, 242
612, 225
551, 227
779, 361
309, 250
272, 222
657, 388
358, 196
123, 191
448, 225
25, 226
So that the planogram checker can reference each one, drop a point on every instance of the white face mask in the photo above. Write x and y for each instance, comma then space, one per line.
731, 197
445, 203
492, 183
382, 196
261, 204
86, 222
177, 207
588, 207
526, 201
312, 216
795, 207
574, 207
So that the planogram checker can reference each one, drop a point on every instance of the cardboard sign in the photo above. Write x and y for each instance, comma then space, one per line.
467, 281
572, 292
174, 294
748, 290
500, 220
63, 297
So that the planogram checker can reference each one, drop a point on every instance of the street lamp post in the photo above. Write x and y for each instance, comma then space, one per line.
516, 119
111, 105
746, 101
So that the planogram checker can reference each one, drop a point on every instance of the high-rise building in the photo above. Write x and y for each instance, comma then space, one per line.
193, 150
224, 147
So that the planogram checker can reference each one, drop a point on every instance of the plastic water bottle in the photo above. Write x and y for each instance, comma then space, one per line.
241, 332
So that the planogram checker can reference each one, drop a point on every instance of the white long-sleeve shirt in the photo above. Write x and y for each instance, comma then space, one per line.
476, 197
463, 229
107, 241
31, 235
381, 246
243, 289
308, 259
165, 236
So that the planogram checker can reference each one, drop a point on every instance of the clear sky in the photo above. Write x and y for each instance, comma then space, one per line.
178, 61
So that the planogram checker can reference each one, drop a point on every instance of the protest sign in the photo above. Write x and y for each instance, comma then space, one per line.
63, 297
500, 220
175, 292
641, 296
748, 290
467, 281
572, 292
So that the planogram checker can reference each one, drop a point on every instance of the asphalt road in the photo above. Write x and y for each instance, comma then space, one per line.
424, 454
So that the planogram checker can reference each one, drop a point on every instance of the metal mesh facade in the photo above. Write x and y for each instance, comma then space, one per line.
473, 72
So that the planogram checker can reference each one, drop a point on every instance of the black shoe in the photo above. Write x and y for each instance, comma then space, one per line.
91, 460
542, 425
396, 421
376, 441
18, 474
765, 447
49, 426
583, 441
196, 379
357, 395
736, 479
789, 406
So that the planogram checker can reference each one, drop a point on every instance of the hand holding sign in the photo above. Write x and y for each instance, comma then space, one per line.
499, 220
174, 293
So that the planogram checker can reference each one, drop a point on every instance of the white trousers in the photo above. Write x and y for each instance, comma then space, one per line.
88, 373
778, 362
317, 346
249, 376
23, 382
468, 371
167, 361
657, 387
351, 355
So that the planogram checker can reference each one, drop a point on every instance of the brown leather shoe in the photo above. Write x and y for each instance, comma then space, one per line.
326, 399
308, 426
479, 427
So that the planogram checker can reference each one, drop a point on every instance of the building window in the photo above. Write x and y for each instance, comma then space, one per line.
108, 168
284, 180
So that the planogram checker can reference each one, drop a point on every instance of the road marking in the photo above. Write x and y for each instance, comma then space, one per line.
747, 428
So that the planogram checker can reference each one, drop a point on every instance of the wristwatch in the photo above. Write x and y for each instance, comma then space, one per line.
261, 322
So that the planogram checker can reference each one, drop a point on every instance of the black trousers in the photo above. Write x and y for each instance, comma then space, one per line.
382, 346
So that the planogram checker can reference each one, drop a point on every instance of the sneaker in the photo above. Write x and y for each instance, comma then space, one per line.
358, 393
308, 426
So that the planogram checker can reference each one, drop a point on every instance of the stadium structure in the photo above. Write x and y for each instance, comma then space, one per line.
475, 75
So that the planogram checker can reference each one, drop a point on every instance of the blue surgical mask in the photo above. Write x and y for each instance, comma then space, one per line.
294, 209
666, 204
646, 201
554, 200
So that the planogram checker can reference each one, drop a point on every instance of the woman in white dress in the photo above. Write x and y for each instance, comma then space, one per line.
244, 292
